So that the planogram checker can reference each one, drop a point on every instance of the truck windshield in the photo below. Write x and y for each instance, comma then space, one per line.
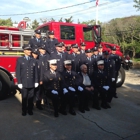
67, 32
88, 33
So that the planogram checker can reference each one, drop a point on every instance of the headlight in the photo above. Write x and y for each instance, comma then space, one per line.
126, 61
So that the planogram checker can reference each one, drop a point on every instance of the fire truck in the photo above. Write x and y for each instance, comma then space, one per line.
12, 40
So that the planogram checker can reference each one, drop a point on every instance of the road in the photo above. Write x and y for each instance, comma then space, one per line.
122, 121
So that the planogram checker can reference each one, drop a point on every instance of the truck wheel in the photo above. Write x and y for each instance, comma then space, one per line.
121, 77
4, 85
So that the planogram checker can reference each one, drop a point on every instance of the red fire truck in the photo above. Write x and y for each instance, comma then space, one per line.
12, 40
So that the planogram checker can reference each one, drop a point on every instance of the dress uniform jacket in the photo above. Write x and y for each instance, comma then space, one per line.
109, 67
35, 43
100, 79
71, 79
50, 45
44, 66
90, 63
27, 72
60, 60
117, 60
52, 81
75, 58
96, 58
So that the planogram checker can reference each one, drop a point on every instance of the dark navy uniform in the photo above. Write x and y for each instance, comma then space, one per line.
61, 57
89, 62
75, 58
27, 75
117, 60
101, 79
53, 81
36, 42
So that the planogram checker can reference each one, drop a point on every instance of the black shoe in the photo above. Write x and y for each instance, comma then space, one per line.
87, 109
39, 107
82, 110
104, 106
56, 114
115, 96
107, 105
63, 112
96, 107
72, 112
24, 113
30, 112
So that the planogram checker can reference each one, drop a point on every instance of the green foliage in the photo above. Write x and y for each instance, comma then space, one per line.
35, 24
137, 4
69, 20
6, 22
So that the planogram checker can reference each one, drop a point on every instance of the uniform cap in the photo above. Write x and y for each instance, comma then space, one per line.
53, 61
68, 48
113, 48
42, 47
88, 51
74, 45
100, 62
38, 31
26, 47
82, 44
100, 46
106, 53
95, 49
58, 45
35, 51
50, 32
63, 43
67, 62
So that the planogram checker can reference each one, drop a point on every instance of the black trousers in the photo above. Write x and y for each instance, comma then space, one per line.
113, 84
39, 92
27, 99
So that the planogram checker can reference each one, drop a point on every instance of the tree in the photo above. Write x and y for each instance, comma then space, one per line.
43, 20
6, 22
35, 24
137, 4
69, 20
60, 20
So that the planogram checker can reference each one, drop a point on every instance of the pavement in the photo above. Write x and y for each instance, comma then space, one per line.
122, 121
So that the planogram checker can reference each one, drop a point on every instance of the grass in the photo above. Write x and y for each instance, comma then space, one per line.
136, 59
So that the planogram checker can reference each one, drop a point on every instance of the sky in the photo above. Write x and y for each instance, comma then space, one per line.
107, 10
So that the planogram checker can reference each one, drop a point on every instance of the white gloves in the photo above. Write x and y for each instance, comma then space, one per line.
113, 79
106, 87
71, 88
36, 85
20, 86
54, 92
65, 90
80, 88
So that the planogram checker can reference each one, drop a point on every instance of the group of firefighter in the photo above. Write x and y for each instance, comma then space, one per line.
65, 74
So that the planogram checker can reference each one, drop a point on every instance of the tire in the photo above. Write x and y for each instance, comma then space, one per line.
121, 77
4, 85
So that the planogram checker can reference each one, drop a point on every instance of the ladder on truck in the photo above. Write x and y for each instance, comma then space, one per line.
23, 38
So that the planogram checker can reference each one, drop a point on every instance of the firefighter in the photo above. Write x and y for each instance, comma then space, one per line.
100, 51
73, 86
75, 58
102, 83
89, 61
117, 60
60, 56
82, 49
109, 68
42, 51
96, 57
36, 41
39, 89
53, 84
27, 77
50, 42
